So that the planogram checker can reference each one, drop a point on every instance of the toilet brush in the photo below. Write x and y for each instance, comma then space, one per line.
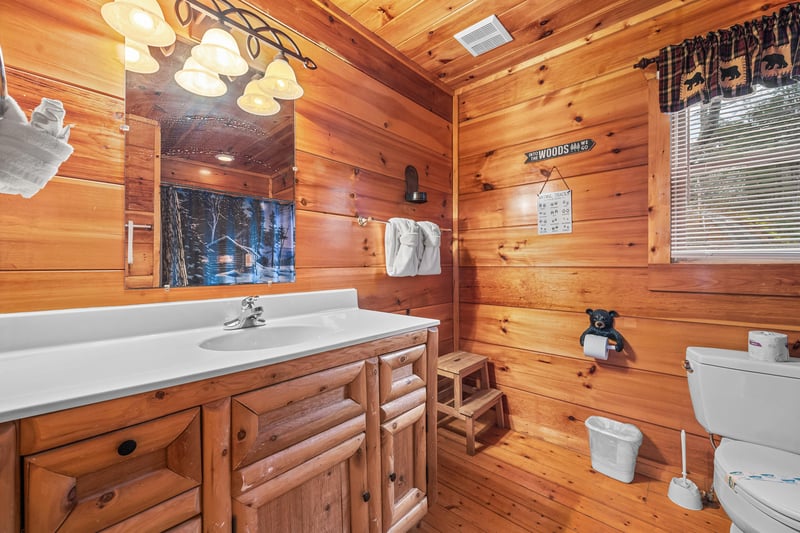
683, 491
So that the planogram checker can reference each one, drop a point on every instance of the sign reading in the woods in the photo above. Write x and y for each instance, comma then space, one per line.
575, 147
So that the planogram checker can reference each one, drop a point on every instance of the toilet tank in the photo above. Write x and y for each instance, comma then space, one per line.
745, 399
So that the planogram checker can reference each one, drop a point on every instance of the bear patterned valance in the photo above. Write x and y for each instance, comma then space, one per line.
728, 63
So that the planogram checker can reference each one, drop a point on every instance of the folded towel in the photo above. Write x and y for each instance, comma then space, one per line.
49, 118
403, 247
431, 241
30, 156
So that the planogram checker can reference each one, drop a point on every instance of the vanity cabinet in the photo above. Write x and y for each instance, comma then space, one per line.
331, 442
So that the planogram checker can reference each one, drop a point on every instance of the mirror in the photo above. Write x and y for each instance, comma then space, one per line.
218, 181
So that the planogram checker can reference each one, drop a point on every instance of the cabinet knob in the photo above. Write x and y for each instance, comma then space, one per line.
366, 496
127, 447
392, 477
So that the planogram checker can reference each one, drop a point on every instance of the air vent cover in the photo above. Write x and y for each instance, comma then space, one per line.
483, 36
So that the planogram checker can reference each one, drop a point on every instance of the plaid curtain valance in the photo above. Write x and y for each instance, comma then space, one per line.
727, 63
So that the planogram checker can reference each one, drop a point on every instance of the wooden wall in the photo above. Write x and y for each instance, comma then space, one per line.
523, 296
64, 248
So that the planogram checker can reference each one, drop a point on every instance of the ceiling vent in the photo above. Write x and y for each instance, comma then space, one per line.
483, 36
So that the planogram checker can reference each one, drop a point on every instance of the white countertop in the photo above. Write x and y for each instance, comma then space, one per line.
54, 360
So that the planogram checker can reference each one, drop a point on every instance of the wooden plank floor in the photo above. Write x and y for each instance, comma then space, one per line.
516, 483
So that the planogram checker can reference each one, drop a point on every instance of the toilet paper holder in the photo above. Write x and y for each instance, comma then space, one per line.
601, 323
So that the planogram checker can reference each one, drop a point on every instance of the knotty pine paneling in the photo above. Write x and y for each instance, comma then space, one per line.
615, 52
342, 189
622, 242
183, 172
349, 245
625, 289
327, 24
47, 233
553, 27
611, 97
328, 132
522, 295
95, 137
620, 144
623, 191
66, 41
355, 142
376, 104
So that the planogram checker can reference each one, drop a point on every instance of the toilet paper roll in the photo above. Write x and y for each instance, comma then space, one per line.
768, 346
595, 346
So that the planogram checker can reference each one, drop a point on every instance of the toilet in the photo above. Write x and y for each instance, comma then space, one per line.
754, 406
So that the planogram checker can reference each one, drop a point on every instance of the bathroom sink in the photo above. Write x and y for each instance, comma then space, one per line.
265, 337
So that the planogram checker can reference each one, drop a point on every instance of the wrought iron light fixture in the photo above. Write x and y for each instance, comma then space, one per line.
142, 21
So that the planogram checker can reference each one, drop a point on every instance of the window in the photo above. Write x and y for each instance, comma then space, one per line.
735, 179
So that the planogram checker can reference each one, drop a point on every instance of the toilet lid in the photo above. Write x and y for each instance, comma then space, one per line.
767, 478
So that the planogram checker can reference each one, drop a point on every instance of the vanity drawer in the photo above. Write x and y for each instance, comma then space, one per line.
102, 481
401, 372
278, 418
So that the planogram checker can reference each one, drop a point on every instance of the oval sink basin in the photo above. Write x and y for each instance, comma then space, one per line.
264, 337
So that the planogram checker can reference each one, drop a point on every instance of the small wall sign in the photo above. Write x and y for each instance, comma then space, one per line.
555, 212
575, 147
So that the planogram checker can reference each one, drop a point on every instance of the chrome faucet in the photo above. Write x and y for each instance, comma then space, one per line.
249, 315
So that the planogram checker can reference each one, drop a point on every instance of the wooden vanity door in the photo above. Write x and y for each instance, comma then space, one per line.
300, 454
403, 438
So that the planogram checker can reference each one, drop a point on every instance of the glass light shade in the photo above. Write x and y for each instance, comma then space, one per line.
197, 79
219, 53
138, 58
140, 20
256, 102
279, 80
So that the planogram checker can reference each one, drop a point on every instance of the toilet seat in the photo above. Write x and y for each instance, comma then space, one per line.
736, 461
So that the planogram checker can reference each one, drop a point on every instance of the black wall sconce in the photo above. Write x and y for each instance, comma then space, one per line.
412, 184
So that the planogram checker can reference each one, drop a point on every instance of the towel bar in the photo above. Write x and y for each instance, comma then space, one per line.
362, 221
131, 226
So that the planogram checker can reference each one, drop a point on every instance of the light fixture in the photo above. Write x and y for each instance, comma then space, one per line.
279, 80
138, 58
197, 79
219, 52
143, 21
224, 158
140, 20
256, 102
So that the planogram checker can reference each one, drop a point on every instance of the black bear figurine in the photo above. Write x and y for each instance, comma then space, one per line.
602, 323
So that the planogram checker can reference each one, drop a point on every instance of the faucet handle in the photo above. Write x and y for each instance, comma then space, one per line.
249, 302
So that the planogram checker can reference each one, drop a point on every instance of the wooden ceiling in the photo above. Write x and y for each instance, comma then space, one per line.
422, 30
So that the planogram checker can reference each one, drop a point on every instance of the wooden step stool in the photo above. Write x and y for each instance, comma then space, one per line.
459, 365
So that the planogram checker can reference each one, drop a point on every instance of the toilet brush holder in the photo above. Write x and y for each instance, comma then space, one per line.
683, 491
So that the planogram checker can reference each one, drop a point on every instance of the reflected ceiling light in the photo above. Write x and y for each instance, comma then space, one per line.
257, 102
197, 79
279, 80
225, 158
140, 20
138, 58
219, 53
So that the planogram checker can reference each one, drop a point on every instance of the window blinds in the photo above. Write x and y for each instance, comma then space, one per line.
735, 178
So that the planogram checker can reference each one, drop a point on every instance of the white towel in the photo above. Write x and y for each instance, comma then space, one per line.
30, 155
403, 245
431, 241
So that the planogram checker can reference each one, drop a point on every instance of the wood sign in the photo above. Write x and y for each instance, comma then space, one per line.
575, 147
